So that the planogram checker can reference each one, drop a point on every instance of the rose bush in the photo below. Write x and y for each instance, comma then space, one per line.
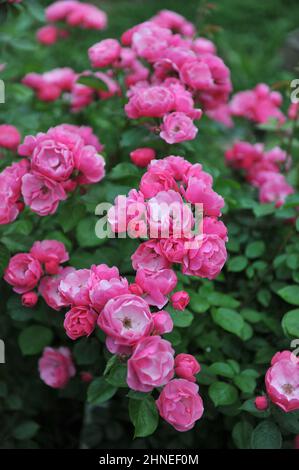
188, 327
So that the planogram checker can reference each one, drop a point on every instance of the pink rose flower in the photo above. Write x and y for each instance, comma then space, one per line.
142, 156
104, 53
104, 284
151, 364
213, 226
180, 405
126, 319
74, 287
48, 289
147, 257
261, 403
196, 74
9, 137
52, 159
91, 166
207, 259
186, 367
149, 41
162, 322
10, 191
156, 285
177, 127
129, 214
244, 155
29, 299
180, 300
80, 321
41, 194
56, 367
199, 191
47, 35
23, 272
275, 189
282, 381
174, 21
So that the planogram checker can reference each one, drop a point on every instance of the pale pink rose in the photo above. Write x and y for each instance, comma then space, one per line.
282, 381
198, 191
156, 285
53, 160
186, 367
10, 190
9, 137
23, 272
129, 214
148, 257
151, 364
56, 367
47, 34
51, 253
80, 321
152, 101
142, 156
178, 127
104, 53
221, 114
196, 74
115, 348
156, 180
162, 322
183, 99
180, 300
173, 249
207, 259
41, 194
104, 284
126, 319
86, 134
177, 166
87, 16
57, 11
138, 73
275, 189
48, 289
276, 155
180, 405
218, 93
149, 41
74, 287
91, 166
80, 97
261, 403
29, 299
213, 226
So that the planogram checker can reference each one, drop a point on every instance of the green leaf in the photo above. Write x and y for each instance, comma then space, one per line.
249, 406
290, 294
117, 375
222, 393
290, 323
264, 209
245, 382
70, 215
124, 170
237, 264
100, 391
86, 235
26, 430
288, 422
255, 249
266, 436
198, 303
242, 434
229, 320
144, 416
34, 339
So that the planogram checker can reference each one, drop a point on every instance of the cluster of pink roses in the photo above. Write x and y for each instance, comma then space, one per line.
180, 72
28, 271
158, 210
57, 162
262, 169
258, 105
63, 82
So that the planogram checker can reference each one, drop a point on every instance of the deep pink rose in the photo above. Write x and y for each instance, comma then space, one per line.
74, 287
9, 137
151, 364
126, 319
29, 299
56, 367
91, 166
47, 34
80, 321
148, 257
48, 289
152, 101
104, 284
180, 300
156, 180
142, 156
180, 405
104, 53
186, 366
156, 285
49, 250
23, 272
206, 258
261, 403
162, 322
